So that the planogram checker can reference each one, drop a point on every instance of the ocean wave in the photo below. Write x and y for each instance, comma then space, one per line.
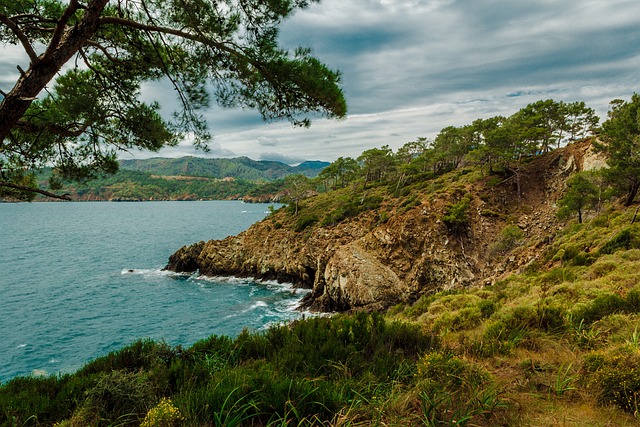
224, 279
272, 285
157, 272
255, 306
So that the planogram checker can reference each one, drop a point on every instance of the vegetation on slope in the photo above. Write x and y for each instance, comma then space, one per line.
239, 168
188, 178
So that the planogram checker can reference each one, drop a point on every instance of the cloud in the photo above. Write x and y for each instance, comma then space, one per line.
277, 157
411, 67
268, 142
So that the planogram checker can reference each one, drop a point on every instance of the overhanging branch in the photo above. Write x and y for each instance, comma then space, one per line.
21, 36
113, 20
35, 190
62, 24
73, 131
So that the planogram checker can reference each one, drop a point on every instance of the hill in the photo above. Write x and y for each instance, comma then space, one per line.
242, 168
190, 178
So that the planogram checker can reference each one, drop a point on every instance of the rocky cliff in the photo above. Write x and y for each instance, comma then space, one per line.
403, 250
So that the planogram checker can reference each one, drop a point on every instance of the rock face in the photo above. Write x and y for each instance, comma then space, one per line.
365, 263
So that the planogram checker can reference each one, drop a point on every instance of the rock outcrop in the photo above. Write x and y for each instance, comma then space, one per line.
368, 263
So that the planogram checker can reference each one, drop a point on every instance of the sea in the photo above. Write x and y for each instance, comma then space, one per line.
81, 279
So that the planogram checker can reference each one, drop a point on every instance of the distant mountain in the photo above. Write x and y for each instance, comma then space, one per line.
238, 168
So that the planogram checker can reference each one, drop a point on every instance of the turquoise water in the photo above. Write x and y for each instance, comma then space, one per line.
78, 280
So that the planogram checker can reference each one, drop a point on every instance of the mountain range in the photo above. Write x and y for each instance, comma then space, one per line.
238, 168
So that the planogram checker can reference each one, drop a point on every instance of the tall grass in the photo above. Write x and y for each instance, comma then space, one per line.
304, 373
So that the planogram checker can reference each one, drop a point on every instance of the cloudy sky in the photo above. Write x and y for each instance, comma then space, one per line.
412, 67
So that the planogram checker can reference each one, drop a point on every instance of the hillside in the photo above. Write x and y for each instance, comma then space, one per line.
547, 310
189, 178
241, 168
394, 246
496, 313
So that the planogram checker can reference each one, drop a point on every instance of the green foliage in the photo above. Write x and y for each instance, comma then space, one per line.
306, 372
582, 194
304, 222
616, 378
626, 239
456, 216
510, 237
339, 173
518, 327
377, 164
118, 397
241, 168
605, 305
228, 53
135, 185
349, 206
621, 143
455, 392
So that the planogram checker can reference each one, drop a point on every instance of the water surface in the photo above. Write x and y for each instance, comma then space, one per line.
78, 280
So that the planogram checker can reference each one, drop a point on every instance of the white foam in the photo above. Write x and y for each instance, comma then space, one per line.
21, 346
152, 272
224, 279
256, 305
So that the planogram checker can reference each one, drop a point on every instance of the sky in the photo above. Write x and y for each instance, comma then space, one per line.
412, 67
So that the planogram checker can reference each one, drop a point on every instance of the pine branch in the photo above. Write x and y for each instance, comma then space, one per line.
62, 24
35, 190
33, 56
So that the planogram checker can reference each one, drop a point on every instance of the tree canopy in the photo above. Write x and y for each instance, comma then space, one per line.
621, 143
78, 100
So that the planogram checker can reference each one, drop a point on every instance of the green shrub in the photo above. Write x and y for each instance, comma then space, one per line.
510, 237
624, 240
559, 275
600, 307
304, 222
142, 354
616, 377
515, 328
119, 397
351, 206
456, 216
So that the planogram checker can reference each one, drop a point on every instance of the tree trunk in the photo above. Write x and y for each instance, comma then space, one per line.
39, 74
633, 191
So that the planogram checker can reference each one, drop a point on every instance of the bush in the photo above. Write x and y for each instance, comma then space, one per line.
456, 216
350, 206
455, 391
616, 377
624, 240
514, 328
600, 307
119, 397
510, 237
164, 414
305, 222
